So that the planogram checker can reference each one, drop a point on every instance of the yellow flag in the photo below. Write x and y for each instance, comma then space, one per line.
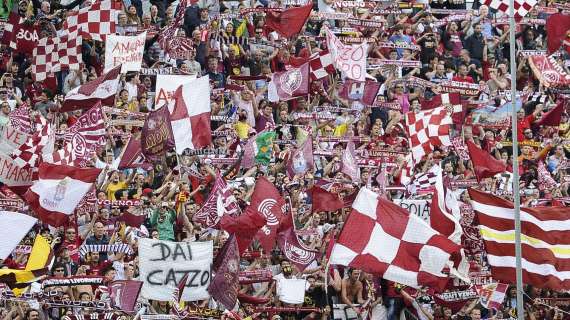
39, 258
241, 29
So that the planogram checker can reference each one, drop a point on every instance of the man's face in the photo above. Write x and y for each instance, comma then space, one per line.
440, 69
34, 315
355, 275
213, 65
463, 70
70, 234
478, 29
267, 111
475, 314
99, 229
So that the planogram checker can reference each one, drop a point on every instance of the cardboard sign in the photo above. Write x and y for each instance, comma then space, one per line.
166, 85
126, 51
164, 263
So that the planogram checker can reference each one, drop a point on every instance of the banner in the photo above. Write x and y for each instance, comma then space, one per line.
548, 71
164, 263
351, 60
157, 137
126, 51
418, 207
27, 37
10, 139
166, 85
12, 175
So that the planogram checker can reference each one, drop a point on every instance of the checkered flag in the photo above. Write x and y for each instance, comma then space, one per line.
382, 238
56, 54
20, 119
428, 129
423, 181
95, 21
28, 155
522, 7
321, 64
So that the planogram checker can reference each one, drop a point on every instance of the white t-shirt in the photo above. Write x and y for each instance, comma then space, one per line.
291, 290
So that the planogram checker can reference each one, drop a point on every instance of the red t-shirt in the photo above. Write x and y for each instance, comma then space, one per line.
467, 79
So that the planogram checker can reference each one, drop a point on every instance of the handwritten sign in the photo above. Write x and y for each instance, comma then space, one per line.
126, 51
166, 85
350, 59
163, 264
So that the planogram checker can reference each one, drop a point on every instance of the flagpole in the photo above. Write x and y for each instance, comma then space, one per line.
516, 187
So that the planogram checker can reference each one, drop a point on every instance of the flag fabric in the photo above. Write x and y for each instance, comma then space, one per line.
428, 129
40, 258
484, 164
492, 295
11, 236
324, 197
103, 89
441, 220
259, 149
441, 99
20, 119
293, 249
289, 84
95, 22
321, 64
382, 238
556, 27
156, 136
301, 159
544, 237
132, 156
220, 202
266, 201
28, 155
241, 30
365, 92
20, 278
224, 286
244, 227
11, 28
349, 165
124, 294
190, 116
288, 22
55, 54
522, 7
58, 191
349, 59
81, 139
19, 35
423, 181
553, 116
167, 33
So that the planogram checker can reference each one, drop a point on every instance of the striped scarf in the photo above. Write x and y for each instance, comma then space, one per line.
117, 247
93, 316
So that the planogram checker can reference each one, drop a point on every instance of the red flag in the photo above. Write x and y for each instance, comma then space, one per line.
324, 200
224, 287
58, 191
485, 165
301, 160
293, 249
101, 89
289, 84
288, 22
556, 27
552, 117
124, 294
364, 92
244, 227
157, 136
132, 156
268, 203
441, 220
438, 100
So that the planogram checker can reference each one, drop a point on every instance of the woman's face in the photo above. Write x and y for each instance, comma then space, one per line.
132, 10
229, 28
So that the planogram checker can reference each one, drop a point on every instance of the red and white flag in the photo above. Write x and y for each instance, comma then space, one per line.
29, 154
441, 220
220, 202
492, 295
101, 89
267, 202
365, 92
95, 21
132, 156
289, 84
20, 119
349, 165
382, 238
190, 116
544, 234
349, 59
82, 139
428, 129
55, 54
321, 64
58, 191
522, 7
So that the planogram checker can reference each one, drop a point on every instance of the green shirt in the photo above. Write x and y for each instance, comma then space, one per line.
165, 227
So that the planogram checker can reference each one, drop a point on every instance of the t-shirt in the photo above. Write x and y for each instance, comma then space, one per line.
291, 290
